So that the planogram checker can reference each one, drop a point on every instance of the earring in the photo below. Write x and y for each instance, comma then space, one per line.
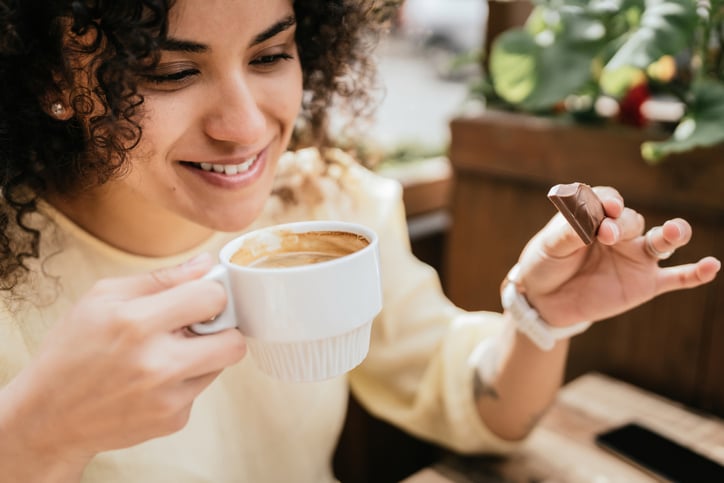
58, 109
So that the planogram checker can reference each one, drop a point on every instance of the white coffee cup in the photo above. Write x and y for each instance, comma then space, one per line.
306, 322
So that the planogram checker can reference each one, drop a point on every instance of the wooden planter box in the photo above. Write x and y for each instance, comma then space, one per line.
504, 165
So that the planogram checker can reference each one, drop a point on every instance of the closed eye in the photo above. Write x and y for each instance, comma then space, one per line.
267, 60
171, 77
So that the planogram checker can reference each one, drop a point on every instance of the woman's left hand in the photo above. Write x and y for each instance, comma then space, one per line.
569, 282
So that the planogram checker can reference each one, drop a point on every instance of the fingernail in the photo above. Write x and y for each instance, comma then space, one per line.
619, 204
202, 258
615, 230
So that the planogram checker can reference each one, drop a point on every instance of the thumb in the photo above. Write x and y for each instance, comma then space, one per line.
166, 278
560, 240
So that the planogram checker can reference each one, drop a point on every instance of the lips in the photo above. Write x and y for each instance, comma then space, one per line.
227, 169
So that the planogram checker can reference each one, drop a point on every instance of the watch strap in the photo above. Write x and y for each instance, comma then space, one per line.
528, 321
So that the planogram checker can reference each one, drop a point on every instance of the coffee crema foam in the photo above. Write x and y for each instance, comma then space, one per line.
297, 249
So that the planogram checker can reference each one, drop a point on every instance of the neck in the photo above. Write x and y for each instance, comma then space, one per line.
150, 233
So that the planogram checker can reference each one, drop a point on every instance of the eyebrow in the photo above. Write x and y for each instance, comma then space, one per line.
191, 47
275, 29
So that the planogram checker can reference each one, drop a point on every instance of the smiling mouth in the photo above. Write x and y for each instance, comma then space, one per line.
226, 169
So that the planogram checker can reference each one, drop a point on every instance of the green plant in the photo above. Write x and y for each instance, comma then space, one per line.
571, 54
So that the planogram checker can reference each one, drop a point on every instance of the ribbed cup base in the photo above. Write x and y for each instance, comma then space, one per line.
313, 360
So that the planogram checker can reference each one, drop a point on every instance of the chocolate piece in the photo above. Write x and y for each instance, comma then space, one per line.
580, 206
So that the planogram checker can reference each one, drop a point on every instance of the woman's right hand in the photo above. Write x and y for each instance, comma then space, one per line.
119, 369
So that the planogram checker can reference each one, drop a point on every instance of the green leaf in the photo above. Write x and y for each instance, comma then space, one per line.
537, 75
512, 65
701, 127
667, 27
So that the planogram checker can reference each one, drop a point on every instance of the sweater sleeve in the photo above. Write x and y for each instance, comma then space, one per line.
417, 375
14, 354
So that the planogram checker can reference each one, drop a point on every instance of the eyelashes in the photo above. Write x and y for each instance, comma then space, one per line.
181, 76
271, 59
172, 77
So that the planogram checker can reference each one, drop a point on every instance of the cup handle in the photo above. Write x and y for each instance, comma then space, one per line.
227, 318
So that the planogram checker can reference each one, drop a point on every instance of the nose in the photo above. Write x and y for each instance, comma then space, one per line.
234, 113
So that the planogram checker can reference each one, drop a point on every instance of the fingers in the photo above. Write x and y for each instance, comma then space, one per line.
611, 200
621, 223
177, 307
165, 278
560, 239
627, 226
687, 276
661, 241
195, 385
211, 353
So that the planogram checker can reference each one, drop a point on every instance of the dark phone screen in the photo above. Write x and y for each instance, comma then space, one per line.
660, 455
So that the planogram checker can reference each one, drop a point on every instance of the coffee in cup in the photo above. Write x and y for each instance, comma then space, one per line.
297, 249
303, 294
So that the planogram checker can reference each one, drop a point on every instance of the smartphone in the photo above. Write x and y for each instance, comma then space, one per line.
659, 455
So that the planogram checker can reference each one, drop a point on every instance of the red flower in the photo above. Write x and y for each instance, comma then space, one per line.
630, 105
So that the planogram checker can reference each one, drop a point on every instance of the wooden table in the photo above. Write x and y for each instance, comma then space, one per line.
562, 448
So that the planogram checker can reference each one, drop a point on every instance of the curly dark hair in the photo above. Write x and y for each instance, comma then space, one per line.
40, 42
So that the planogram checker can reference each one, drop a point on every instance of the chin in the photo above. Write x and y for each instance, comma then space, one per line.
230, 220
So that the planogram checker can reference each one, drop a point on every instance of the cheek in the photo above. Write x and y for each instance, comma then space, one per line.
162, 124
147, 162
283, 96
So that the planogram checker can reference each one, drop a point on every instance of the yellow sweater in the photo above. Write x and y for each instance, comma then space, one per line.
247, 427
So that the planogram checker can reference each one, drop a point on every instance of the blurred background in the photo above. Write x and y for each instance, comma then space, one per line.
426, 65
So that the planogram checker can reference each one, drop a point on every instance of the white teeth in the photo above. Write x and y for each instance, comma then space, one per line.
228, 169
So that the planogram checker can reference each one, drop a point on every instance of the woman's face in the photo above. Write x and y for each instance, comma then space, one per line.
218, 112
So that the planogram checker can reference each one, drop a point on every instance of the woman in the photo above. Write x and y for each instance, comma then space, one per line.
137, 137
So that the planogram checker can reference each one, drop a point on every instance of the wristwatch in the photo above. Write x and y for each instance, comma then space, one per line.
528, 321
